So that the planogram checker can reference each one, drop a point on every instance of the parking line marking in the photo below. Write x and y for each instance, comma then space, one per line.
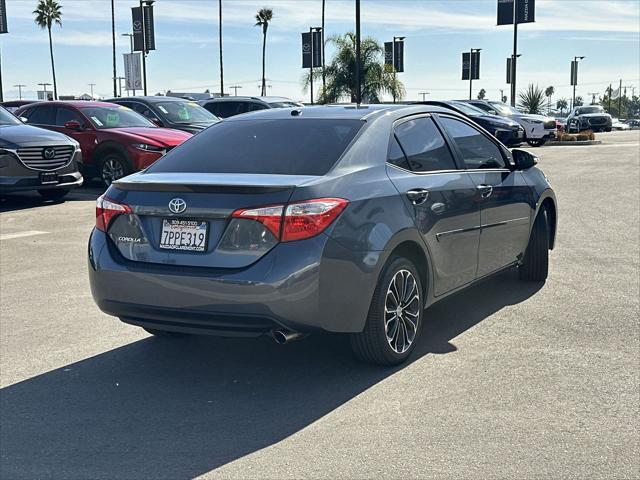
28, 233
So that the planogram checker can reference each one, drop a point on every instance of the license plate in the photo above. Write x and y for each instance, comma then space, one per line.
48, 178
189, 235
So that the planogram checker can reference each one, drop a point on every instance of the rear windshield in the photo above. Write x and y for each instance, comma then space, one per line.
283, 146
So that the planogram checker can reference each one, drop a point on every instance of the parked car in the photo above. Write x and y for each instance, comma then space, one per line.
538, 128
36, 159
170, 112
616, 124
507, 131
561, 123
338, 219
633, 123
225, 107
12, 105
115, 140
592, 117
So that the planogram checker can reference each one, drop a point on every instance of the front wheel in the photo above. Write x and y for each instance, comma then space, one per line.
537, 142
395, 316
54, 194
113, 167
535, 264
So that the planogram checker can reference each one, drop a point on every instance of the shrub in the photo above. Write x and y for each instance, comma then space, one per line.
583, 137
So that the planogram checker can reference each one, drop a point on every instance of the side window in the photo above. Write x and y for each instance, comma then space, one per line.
64, 115
476, 149
484, 107
140, 108
223, 109
243, 107
396, 155
43, 115
254, 106
424, 146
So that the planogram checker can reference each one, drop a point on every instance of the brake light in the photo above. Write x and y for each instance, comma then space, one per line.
106, 210
296, 221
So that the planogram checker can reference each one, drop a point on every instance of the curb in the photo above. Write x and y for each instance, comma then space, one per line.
574, 144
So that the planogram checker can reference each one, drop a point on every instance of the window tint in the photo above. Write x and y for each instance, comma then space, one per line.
283, 146
223, 109
257, 106
476, 149
41, 115
64, 115
425, 148
396, 155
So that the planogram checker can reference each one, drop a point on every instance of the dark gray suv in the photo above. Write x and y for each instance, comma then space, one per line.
225, 107
335, 219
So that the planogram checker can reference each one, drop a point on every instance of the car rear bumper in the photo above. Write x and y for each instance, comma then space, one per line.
310, 285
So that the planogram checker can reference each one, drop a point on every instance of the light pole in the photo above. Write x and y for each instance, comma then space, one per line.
113, 45
144, 3
130, 35
393, 63
19, 87
574, 78
235, 89
311, 31
358, 59
471, 69
120, 85
424, 95
44, 86
91, 85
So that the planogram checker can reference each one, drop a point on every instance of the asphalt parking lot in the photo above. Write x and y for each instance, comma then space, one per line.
510, 380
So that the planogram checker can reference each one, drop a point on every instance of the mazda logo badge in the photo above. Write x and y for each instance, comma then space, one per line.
177, 205
48, 153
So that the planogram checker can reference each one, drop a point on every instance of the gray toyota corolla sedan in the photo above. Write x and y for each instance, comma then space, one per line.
335, 219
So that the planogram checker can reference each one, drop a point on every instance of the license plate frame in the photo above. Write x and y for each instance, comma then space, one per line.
49, 178
174, 225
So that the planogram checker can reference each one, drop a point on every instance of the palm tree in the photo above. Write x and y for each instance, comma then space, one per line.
263, 17
220, 43
532, 99
47, 13
549, 91
579, 101
562, 104
340, 73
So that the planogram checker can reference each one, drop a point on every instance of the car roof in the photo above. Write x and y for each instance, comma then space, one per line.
75, 103
152, 99
362, 112
267, 99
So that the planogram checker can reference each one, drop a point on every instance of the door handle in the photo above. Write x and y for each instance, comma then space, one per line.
418, 196
485, 190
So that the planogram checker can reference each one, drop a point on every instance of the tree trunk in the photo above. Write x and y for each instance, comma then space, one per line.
53, 68
264, 53
220, 42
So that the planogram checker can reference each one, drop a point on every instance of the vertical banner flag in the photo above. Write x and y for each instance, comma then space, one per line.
574, 72
3, 17
132, 71
508, 70
525, 11
149, 29
466, 65
138, 33
398, 56
388, 53
475, 65
306, 49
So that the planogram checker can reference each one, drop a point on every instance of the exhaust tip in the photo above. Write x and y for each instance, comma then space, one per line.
285, 336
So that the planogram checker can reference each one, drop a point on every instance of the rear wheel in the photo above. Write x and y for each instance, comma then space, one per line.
53, 194
113, 166
537, 142
535, 264
395, 316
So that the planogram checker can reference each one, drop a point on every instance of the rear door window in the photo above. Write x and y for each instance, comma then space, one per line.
477, 150
223, 109
275, 146
42, 115
424, 146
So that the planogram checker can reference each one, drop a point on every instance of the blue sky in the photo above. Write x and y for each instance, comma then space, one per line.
607, 32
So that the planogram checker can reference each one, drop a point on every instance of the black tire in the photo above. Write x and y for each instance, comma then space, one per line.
535, 264
112, 167
162, 333
608, 129
372, 344
537, 142
55, 194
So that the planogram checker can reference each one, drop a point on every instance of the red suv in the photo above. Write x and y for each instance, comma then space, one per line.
115, 140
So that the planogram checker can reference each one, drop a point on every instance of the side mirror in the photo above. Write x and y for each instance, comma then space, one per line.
523, 159
73, 125
24, 119
156, 121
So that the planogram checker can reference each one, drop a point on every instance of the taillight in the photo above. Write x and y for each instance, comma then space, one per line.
106, 210
296, 221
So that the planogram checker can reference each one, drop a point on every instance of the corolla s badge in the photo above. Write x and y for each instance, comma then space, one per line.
177, 205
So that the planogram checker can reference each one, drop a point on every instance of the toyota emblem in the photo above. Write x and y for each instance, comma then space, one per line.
177, 205
48, 153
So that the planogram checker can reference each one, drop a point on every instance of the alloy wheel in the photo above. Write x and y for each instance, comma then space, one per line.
112, 170
402, 311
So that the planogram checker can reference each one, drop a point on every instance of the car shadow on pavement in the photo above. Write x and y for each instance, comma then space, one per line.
23, 201
178, 408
